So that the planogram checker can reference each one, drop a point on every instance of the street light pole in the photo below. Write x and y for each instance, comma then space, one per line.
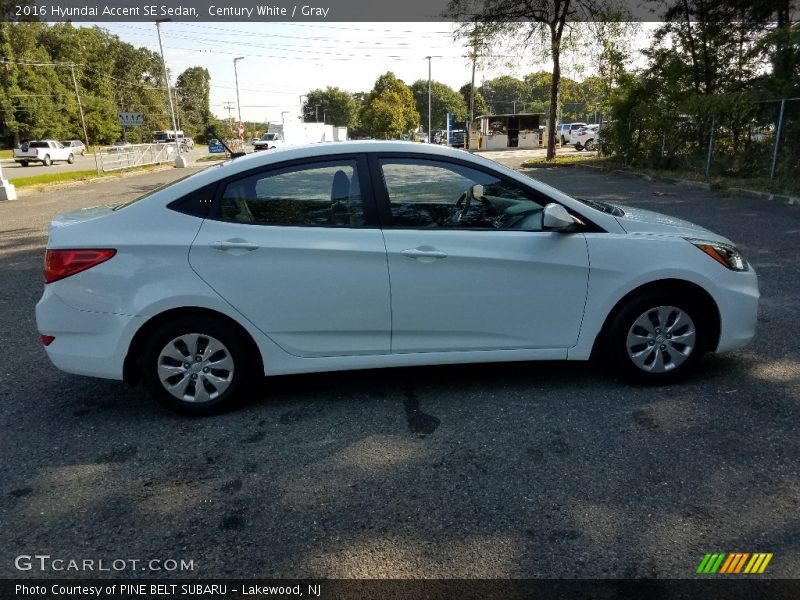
430, 139
236, 75
180, 162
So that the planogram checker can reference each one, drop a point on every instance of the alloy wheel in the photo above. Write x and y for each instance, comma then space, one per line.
661, 339
195, 368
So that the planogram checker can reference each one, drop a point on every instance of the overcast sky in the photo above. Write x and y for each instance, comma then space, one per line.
284, 60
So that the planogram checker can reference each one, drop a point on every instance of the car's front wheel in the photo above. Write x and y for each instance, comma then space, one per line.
47, 162
657, 338
71, 159
196, 365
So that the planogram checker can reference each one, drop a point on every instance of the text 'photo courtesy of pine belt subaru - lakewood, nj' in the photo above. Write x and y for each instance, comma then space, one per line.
353, 255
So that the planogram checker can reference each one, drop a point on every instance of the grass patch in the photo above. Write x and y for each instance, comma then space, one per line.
69, 176
23, 182
6, 154
607, 162
211, 157
788, 185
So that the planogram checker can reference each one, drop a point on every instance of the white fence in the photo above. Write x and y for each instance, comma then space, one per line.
112, 158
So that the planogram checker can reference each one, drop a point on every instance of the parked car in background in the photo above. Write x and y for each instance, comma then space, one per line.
122, 143
565, 129
77, 146
44, 151
586, 137
353, 255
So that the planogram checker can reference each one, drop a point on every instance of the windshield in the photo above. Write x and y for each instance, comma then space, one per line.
609, 209
268, 136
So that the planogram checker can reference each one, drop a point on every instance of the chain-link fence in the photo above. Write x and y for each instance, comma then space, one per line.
741, 139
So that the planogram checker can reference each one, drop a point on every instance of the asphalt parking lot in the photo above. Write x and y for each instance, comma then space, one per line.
505, 470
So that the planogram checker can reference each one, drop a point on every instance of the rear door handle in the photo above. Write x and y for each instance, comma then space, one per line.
234, 245
423, 254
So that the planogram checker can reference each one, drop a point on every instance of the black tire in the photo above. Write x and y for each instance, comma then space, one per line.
244, 370
24, 163
615, 347
578, 147
589, 145
71, 159
47, 162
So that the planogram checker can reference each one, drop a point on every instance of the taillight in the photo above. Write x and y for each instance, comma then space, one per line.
59, 264
47, 339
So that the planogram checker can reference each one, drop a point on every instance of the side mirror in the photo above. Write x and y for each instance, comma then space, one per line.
556, 217
477, 191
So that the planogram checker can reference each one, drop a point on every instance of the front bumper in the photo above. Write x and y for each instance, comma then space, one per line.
737, 301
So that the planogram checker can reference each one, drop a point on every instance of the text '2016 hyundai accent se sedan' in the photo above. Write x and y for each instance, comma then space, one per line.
378, 254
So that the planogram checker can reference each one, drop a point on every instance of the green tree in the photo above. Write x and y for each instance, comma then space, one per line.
444, 99
505, 94
480, 107
193, 89
531, 22
338, 107
388, 110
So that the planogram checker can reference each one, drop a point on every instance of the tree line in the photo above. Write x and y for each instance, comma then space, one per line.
393, 109
46, 69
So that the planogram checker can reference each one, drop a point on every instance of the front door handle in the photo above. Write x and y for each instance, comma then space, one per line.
234, 245
424, 254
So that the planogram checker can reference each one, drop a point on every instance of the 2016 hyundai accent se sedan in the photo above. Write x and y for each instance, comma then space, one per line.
378, 254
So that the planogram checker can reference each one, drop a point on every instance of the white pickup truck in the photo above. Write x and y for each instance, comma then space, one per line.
43, 151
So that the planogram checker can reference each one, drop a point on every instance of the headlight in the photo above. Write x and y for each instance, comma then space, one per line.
725, 254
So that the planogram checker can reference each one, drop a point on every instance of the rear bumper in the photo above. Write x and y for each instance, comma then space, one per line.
86, 343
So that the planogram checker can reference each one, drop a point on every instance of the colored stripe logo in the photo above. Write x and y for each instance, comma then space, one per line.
734, 563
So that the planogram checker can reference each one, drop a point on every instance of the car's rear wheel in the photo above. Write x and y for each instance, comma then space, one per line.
657, 338
71, 159
197, 365
24, 163
578, 147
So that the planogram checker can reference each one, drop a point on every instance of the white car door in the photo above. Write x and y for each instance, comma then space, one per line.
296, 249
469, 264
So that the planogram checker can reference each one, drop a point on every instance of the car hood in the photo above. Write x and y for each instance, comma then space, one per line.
637, 220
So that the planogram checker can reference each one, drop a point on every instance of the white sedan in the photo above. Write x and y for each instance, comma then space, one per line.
378, 254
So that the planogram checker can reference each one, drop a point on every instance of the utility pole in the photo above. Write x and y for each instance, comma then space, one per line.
180, 162
302, 109
430, 139
80, 106
236, 75
177, 110
83, 121
229, 108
